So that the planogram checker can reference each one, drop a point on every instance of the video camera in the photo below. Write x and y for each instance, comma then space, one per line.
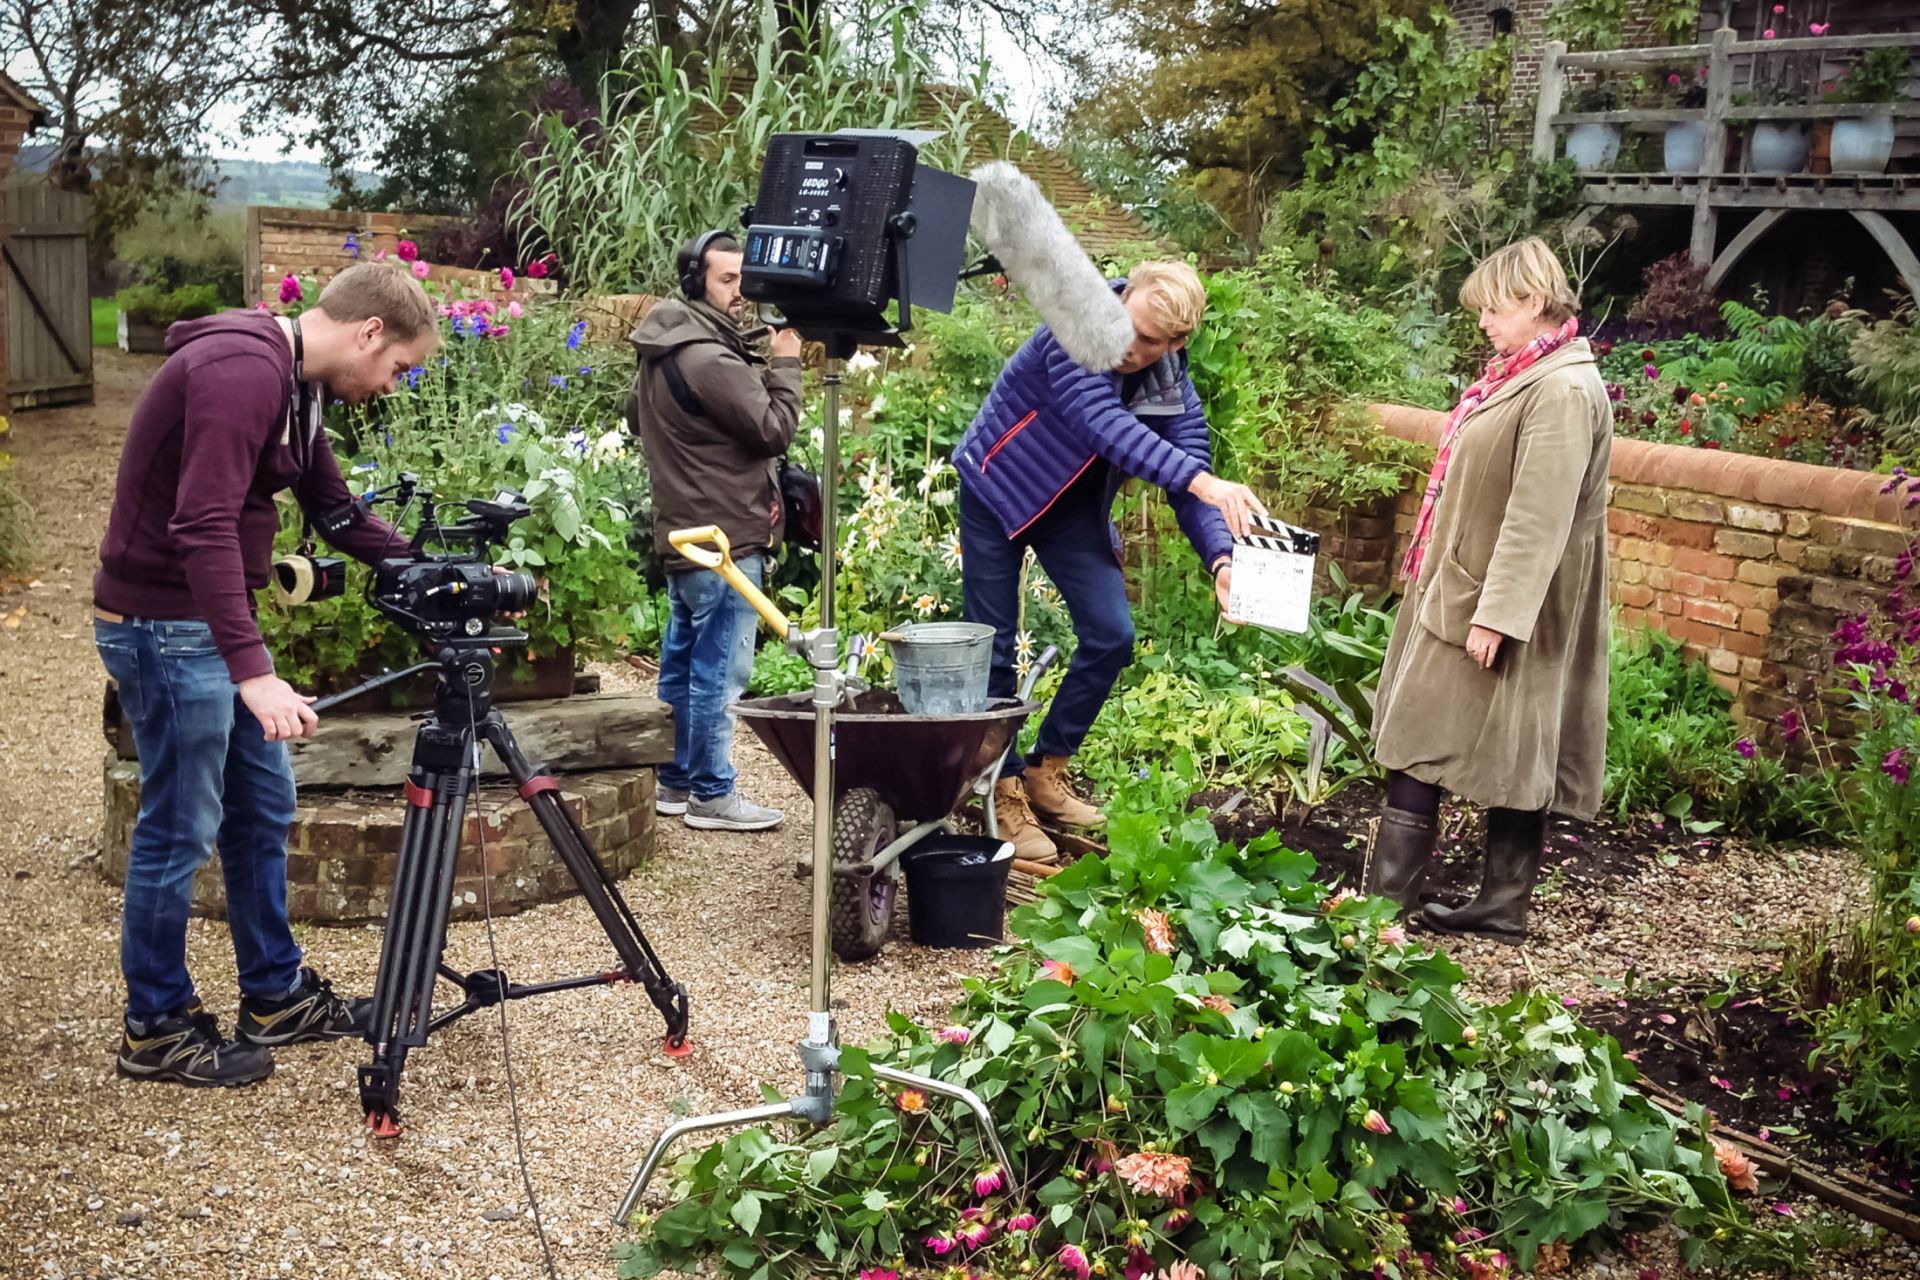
445, 588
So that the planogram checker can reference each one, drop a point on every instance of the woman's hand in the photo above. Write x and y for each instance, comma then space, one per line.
1235, 501
1483, 645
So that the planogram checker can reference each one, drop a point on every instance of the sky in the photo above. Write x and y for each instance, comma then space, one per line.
1015, 70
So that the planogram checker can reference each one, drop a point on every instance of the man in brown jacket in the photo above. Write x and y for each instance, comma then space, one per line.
713, 417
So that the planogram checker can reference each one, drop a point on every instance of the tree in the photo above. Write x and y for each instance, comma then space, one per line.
127, 96
1232, 86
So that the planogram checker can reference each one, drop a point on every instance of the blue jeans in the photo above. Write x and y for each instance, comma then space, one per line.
208, 776
706, 661
1074, 544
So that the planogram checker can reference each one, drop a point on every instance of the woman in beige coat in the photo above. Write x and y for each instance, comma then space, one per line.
1495, 684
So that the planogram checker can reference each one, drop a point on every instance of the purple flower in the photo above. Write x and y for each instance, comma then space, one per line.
1790, 725
1652, 373
1744, 748
1895, 765
352, 245
576, 334
557, 380
289, 289
586, 368
503, 431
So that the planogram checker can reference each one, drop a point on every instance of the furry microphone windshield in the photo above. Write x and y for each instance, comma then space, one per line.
1041, 256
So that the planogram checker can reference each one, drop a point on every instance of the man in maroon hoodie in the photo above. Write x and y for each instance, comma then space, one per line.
232, 418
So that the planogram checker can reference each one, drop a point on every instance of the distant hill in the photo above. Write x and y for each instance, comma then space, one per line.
293, 183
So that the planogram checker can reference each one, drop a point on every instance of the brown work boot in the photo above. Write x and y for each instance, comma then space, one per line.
1051, 794
1017, 824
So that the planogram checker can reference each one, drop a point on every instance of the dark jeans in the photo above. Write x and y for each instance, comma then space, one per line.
706, 661
208, 776
1074, 544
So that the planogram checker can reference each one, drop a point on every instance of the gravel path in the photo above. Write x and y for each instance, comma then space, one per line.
103, 1178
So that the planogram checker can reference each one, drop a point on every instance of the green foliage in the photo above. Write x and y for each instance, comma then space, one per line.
520, 409
1673, 748
153, 304
1587, 26
17, 541
1427, 101
679, 144
1886, 367
183, 240
1879, 76
1313, 1092
1872, 1030
1233, 91
1293, 427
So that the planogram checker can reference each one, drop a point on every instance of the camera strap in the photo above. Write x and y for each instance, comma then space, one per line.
305, 409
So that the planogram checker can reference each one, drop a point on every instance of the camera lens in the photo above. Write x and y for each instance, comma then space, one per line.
514, 592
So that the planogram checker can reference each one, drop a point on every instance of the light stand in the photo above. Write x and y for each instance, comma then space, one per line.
820, 1051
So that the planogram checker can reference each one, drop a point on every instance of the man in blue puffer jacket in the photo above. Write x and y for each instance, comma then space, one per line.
1040, 468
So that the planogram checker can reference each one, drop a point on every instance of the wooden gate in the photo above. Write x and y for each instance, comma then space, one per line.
49, 352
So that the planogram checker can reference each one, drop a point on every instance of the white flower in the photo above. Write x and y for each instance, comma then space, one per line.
861, 362
1023, 645
935, 469
819, 438
944, 498
846, 417
611, 445
925, 604
1042, 589
879, 404
952, 550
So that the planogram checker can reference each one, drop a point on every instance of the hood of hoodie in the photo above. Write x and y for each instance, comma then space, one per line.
257, 325
677, 322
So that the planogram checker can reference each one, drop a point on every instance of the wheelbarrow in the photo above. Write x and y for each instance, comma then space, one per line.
890, 768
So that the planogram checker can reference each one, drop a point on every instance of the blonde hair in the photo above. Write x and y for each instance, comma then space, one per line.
1522, 270
370, 290
1177, 298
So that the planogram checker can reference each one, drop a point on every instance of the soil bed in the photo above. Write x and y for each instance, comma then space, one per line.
1584, 860
1746, 1062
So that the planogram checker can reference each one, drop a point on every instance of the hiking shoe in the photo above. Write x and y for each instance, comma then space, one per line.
187, 1048
312, 1012
669, 801
730, 812
1017, 825
1050, 792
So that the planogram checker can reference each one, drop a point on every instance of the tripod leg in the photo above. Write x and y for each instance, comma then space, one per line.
637, 957
414, 937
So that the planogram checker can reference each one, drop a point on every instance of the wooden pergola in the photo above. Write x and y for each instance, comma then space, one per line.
1867, 197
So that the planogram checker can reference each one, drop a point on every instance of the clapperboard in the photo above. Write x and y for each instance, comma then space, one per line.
1273, 575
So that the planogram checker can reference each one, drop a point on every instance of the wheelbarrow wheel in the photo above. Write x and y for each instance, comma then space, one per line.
862, 904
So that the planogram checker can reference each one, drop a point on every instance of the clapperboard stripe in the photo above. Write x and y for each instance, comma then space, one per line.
1278, 535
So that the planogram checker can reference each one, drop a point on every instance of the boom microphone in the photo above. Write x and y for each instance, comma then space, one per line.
1041, 256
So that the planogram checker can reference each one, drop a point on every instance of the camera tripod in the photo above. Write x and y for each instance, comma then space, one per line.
445, 771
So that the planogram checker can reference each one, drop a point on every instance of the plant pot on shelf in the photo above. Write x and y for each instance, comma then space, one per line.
141, 336
1685, 147
1593, 146
1777, 146
1862, 144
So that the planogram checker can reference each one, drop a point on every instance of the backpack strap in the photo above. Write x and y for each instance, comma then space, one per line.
683, 394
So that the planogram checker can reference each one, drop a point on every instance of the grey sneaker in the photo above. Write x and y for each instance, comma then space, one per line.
670, 802
730, 812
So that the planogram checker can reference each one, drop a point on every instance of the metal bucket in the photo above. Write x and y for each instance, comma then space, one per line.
940, 668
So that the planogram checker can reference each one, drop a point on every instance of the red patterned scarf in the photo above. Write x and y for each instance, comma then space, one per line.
1500, 371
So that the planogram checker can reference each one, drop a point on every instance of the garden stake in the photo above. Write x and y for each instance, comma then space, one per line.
707, 547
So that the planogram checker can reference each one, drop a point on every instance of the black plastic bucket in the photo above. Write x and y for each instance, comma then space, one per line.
957, 890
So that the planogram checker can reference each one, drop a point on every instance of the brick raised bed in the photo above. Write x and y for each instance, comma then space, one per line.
1750, 562
342, 849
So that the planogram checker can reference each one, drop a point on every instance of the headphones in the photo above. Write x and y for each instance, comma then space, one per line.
692, 262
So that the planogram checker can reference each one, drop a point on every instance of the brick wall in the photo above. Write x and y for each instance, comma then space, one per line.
308, 243
342, 849
1475, 18
1750, 562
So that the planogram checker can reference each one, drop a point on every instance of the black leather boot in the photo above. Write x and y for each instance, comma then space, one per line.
1498, 912
1402, 853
